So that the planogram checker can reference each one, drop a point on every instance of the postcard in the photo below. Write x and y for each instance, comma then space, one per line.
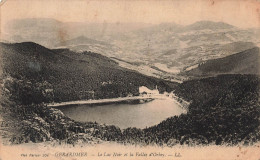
122, 79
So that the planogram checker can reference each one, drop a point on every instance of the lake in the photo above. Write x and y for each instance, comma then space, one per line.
125, 115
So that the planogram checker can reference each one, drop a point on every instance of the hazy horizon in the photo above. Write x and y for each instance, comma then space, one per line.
242, 14
144, 23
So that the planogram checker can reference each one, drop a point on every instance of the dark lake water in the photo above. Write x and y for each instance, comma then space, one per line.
125, 115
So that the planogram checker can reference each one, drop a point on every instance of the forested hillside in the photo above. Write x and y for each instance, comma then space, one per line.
33, 75
223, 110
245, 62
67, 75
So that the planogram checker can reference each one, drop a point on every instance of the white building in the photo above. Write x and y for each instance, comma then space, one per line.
145, 90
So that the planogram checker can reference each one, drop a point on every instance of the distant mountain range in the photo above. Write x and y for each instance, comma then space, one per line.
177, 47
173, 27
201, 25
49, 32
169, 47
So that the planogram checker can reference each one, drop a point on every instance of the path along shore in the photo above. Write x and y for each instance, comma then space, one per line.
119, 99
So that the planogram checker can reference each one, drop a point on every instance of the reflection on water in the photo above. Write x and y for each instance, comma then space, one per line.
125, 115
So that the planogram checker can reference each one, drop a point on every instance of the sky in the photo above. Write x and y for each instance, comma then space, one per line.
241, 13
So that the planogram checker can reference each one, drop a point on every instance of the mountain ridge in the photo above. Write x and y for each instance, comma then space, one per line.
70, 77
199, 25
245, 62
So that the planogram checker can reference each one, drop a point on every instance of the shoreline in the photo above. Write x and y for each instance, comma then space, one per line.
99, 101
113, 100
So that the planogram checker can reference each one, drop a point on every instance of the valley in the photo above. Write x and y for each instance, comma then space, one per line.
162, 50
212, 67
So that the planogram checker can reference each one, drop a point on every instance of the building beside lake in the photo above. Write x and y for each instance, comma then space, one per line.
146, 91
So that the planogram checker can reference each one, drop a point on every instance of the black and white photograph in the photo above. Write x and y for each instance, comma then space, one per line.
121, 79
